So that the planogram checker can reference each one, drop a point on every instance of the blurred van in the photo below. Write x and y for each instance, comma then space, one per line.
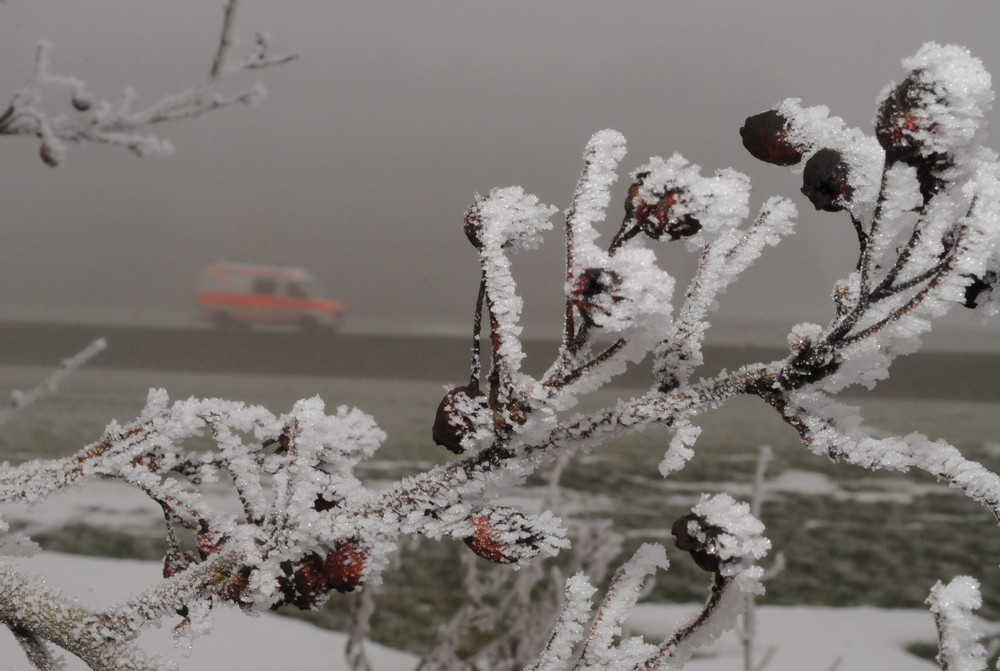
240, 294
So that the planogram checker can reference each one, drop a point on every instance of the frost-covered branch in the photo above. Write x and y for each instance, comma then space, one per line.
19, 400
953, 606
118, 122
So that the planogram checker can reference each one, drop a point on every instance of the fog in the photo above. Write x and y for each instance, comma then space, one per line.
370, 146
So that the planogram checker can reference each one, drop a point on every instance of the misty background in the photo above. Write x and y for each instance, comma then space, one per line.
368, 149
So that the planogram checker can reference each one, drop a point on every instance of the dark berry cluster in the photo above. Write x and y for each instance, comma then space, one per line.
306, 583
661, 217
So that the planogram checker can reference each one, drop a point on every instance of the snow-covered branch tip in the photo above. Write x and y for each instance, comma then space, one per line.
91, 118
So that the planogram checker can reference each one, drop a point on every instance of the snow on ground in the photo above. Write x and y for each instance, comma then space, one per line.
266, 642
802, 637
807, 637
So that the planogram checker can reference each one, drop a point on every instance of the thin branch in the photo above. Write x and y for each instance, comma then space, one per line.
50, 385
225, 40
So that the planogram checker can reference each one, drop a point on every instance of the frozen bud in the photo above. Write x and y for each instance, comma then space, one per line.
825, 181
309, 582
595, 292
662, 215
978, 289
696, 536
504, 536
463, 419
765, 136
345, 566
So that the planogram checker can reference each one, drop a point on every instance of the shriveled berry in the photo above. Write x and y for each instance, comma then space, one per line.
698, 543
458, 415
901, 124
345, 566
309, 582
978, 286
825, 181
765, 136
595, 291
661, 216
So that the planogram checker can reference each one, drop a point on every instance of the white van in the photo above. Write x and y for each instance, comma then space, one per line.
240, 294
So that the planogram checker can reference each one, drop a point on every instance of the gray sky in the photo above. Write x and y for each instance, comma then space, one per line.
362, 160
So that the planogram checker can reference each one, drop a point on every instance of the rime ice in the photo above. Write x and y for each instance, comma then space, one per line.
923, 199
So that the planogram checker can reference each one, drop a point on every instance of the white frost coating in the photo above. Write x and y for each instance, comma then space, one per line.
604, 152
512, 219
722, 262
509, 219
719, 202
680, 452
835, 430
958, 95
959, 648
600, 651
813, 128
741, 537
569, 628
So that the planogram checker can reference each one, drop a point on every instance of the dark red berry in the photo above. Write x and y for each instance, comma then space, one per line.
595, 291
503, 536
699, 543
345, 566
765, 136
486, 541
825, 181
309, 582
456, 416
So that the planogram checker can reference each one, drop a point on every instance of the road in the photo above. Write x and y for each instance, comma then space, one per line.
925, 375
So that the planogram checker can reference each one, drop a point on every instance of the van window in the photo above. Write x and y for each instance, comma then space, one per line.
265, 285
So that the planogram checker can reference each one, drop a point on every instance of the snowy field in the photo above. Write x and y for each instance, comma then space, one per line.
852, 538
800, 637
